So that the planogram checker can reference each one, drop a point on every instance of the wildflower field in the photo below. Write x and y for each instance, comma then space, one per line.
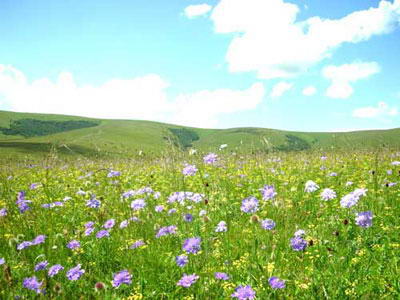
300, 225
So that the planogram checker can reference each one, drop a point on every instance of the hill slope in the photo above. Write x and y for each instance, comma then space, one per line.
26, 133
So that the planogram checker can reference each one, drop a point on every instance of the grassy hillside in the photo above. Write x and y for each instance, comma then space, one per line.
128, 137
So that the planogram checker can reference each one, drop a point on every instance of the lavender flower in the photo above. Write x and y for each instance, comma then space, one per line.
122, 277
137, 244
113, 174
34, 186
249, 205
276, 283
187, 280
89, 231
3, 212
188, 217
89, 224
24, 244
102, 233
31, 283
75, 273
138, 204
221, 227
244, 293
41, 266
124, 224
328, 194
40, 239
300, 233
22, 203
93, 202
210, 158
221, 276
181, 260
298, 243
364, 219
189, 170
192, 245
268, 192
74, 244
109, 224
311, 186
171, 211
159, 208
53, 270
167, 230
268, 224
2, 261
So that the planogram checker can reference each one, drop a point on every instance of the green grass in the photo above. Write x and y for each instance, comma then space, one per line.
342, 260
124, 138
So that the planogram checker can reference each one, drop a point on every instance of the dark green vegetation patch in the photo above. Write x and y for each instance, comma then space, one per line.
32, 127
185, 137
294, 143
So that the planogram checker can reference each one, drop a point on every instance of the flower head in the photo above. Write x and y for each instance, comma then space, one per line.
181, 260
122, 277
276, 283
138, 204
74, 244
268, 224
75, 273
32, 283
210, 158
167, 230
102, 233
268, 192
187, 280
244, 293
298, 243
109, 224
41, 266
192, 245
189, 170
53, 270
221, 227
249, 205
328, 194
364, 219
221, 276
311, 186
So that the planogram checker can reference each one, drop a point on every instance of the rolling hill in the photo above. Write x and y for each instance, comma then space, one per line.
37, 134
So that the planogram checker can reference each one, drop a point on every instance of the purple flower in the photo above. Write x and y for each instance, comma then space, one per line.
328, 194
181, 260
311, 186
300, 233
221, 276
122, 277
3, 212
244, 293
298, 243
188, 217
268, 224
166, 231
74, 244
249, 205
221, 227
210, 158
24, 244
93, 202
41, 266
192, 245
22, 203
109, 224
39, 239
34, 186
268, 192
89, 224
352, 199
113, 174
187, 280
53, 270
75, 273
102, 233
159, 208
138, 204
137, 244
2, 261
172, 211
124, 224
89, 231
189, 170
276, 283
31, 283
364, 219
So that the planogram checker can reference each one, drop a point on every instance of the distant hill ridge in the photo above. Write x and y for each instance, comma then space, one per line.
29, 133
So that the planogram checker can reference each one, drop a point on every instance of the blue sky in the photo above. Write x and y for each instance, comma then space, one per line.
299, 65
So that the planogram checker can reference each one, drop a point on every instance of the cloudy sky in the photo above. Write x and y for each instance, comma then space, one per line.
306, 65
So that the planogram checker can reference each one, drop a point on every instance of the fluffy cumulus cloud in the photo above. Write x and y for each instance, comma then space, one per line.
342, 76
138, 98
271, 41
382, 110
280, 88
193, 11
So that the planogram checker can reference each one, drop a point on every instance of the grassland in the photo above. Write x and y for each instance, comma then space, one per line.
341, 256
126, 138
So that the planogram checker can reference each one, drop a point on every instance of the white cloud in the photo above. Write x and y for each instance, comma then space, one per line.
381, 110
271, 42
309, 91
193, 11
341, 77
280, 88
138, 98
